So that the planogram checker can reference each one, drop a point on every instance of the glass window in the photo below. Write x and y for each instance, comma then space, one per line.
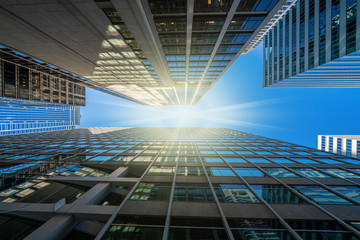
134, 232
341, 173
279, 172
190, 171
249, 172
350, 160
320, 195
221, 171
350, 191
161, 170
258, 160
281, 160
225, 152
308, 172
305, 160
235, 160
151, 191
329, 160
193, 192
277, 194
207, 152
244, 152
196, 233
100, 158
212, 159
235, 193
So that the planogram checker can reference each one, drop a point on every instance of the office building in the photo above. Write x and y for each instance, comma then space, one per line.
155, 52
316, 44
348, 145
174, 183
18, 116
25, 77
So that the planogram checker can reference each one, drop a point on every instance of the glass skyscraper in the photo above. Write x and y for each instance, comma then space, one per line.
155, 52
174, 183
18, 116
316, 44
348, 145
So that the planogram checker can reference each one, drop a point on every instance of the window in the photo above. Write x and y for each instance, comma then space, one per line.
281, 160
235, 160
190, 171
151, 191
193, 192
212, 159
320, 195
277, 194
350, 191
279, 172
249, 172
308, 172
221, 171
236, 193
341, 173
305, 160
258, 160
329, 160
100, 158
161, 171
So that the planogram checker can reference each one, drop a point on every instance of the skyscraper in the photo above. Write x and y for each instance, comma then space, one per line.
152, 52
18, 116
37, 97
174, 183
316, 44
348, 145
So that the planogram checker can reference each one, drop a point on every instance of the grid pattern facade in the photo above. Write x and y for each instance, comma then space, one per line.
174, 183
316, 44
348, 145
155, 52
25, 77
19, 116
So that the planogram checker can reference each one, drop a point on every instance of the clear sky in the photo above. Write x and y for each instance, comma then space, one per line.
239, 101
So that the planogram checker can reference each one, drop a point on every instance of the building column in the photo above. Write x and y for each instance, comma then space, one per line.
306, 48
290, 42
298, 37
357, 25
328, 32
353, 148
342, 29
316, 32
335, 146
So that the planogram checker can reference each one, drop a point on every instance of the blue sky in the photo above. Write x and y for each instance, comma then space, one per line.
239, 101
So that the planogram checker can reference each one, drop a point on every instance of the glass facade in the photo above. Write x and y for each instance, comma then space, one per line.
149, 176
319, 56
18, 116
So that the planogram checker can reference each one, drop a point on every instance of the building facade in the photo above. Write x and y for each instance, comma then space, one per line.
24, 77
18, 116
316, 44
155, 52
348, 145
174, 183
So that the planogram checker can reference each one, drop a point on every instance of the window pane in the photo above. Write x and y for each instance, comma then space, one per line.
236, 193
341, 173
280, 172
277, 194
249, 172
193, 192
308, 172
221, 171
320, 195
151, 191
